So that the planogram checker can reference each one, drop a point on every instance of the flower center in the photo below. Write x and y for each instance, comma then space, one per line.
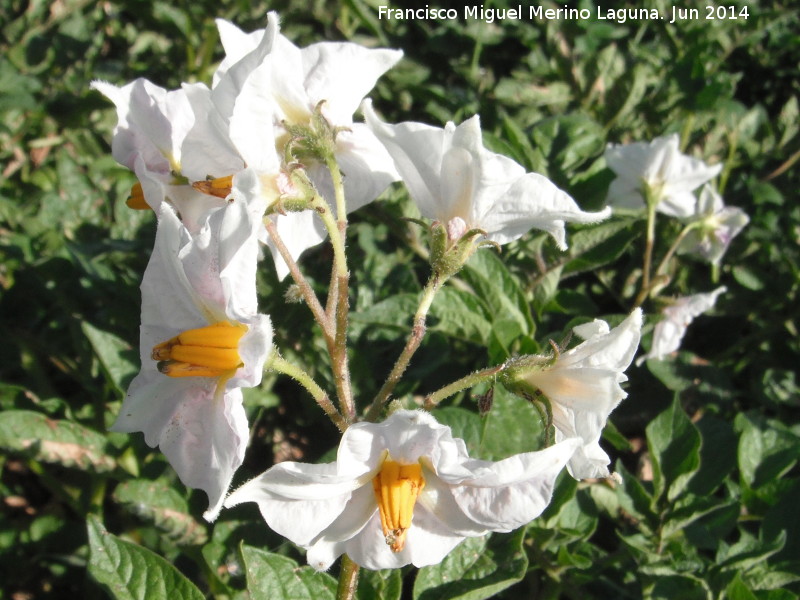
219, 187
209, 351
396, 490
136, 200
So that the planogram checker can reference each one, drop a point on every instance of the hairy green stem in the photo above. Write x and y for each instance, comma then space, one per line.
338, 309
277, 363
348, 579
468, 381
412, 344
305, 288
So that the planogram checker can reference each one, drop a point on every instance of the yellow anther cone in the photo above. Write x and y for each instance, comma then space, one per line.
397, 488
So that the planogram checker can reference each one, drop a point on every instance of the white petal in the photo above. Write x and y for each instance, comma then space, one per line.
203, 434
512, 492
585, 388
613, 350
152, 123
341, 74
533, 201
417, 151
367, 167
297, 500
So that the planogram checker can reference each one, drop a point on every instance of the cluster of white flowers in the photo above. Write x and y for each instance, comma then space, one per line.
211, 162
658, 173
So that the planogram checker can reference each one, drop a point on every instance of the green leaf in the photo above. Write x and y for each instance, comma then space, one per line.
782, 517
766, 450
674, 445
460, 315
395, 312
156, 502
386, 584
634, 499
119, 360
512, 426
498, 288
478, 568
131, 572
670, 587
688, 510
275, 577
717, 455
598, 245
748, 552
55, 441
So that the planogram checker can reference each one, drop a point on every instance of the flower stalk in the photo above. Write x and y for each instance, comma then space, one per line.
348, 579
412, 344
652, 199
281, 365
468, 381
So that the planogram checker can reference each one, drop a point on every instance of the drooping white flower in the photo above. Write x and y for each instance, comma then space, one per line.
676, 318
201, 340
670, 175
148, 139
454, 180
715, 225
401, 491
583, 387
284, 89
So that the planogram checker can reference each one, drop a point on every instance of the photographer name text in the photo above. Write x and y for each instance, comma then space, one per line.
531, 12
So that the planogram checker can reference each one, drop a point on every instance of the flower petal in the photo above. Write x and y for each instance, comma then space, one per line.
512, 492
533, 201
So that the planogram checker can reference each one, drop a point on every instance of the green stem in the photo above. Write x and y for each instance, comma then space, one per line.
305, 288
281, 365
674, 248
652, 201
348, 579
412, 344
337, 229
468, 381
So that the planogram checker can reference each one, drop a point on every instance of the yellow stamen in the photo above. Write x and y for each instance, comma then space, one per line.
219, 187
136, 200
205, 352
396, 489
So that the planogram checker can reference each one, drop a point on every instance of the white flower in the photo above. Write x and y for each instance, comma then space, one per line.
583, 386
283, 86
714, 227
454, 180
148, 139
676, 318
201, 340
670, 175
401, 491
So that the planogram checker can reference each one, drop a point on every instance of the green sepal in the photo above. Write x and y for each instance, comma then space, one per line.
447, 259
315, 139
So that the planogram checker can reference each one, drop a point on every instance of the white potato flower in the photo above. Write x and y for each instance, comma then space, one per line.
455, 180
583, 387
658, 168
401, 492
201, 341
714, 227
148, 139
267, 85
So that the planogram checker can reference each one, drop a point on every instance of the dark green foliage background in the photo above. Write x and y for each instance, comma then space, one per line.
707, 441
